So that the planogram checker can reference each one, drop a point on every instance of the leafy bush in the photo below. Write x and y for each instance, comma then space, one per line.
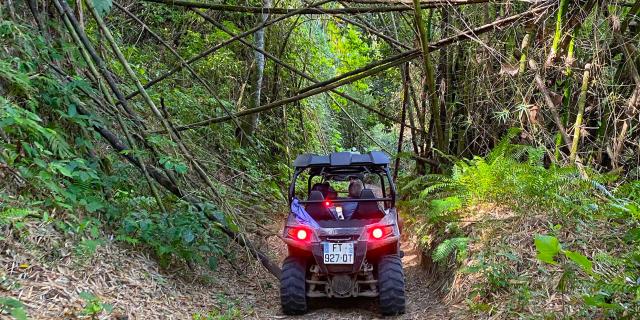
617, 294
515, 177
57, 163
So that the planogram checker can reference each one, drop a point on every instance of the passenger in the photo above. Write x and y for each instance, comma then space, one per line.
331, 192
348, 208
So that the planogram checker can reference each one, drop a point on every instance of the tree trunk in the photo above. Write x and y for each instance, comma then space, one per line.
259, 74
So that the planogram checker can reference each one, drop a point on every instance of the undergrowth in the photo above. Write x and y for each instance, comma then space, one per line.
566, 207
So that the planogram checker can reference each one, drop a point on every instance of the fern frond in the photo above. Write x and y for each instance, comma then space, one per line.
449, 246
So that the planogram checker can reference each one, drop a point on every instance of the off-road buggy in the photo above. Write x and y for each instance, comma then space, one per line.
338, 258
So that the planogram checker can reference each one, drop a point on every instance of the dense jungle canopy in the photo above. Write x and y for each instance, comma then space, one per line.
160, 134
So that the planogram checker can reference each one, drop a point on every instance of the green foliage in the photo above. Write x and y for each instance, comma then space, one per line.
62, 166
604, 287
185, 233
102, 6
93, 306
227, 311
456, 246
549, 246
515, 175
13, 307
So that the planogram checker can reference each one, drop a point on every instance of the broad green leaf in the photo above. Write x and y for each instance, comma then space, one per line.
86, 295
94, 206
585, 264
547, 247
19, 314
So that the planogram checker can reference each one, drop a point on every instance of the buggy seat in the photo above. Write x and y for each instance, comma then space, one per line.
367, 210
317, 210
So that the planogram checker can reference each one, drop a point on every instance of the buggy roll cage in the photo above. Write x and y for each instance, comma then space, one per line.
341, 165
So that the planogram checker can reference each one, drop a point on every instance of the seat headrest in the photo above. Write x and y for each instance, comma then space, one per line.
367, 194
316, 195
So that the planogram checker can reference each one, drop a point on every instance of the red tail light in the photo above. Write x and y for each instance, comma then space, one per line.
327, 203
299, 233
379, 232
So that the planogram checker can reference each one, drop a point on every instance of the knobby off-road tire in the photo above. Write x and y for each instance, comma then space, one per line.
293, 293
391, 285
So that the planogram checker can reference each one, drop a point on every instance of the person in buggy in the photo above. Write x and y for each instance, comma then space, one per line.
355, 189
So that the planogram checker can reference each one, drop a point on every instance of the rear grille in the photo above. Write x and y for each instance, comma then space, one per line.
339, 238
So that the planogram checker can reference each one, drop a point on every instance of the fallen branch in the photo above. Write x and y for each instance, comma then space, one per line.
368, 70
289, 67
552, 108
307, 92
221, 45
353, 10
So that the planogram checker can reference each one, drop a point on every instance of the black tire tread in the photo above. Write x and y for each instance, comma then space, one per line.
391, 285
293, 293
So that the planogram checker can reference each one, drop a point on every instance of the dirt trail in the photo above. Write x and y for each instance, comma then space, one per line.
49, 281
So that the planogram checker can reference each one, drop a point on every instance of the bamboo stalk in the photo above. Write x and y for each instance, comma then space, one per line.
582, 100
63, 8
77, 33
186, 153
469, 33
304, 93
405, 102
562, 8
524, 49
552, 108
186, 65
156, 112
429, 73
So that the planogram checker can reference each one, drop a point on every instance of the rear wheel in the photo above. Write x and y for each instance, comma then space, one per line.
293, 293
391, 285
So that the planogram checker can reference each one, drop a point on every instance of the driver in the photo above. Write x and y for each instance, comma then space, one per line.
355, 188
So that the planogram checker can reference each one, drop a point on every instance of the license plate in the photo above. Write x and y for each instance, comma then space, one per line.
337, 253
